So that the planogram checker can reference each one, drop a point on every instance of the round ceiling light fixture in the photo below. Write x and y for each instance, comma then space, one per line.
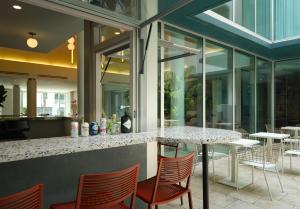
17, 7
32, 42
117, 33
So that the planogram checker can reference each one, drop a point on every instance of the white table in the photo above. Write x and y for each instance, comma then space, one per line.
232, 179
292, 128
269, 137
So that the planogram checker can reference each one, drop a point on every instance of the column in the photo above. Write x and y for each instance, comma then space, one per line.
149, 80
92, 74
177, 77
80, 74
148, 86
16, 100
31, 97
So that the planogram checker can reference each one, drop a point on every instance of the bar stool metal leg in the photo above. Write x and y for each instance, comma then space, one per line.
205, 176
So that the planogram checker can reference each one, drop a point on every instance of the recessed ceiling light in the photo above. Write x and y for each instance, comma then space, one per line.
117, 33
18, 7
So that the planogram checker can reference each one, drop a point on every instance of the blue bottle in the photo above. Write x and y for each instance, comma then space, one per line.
94, 128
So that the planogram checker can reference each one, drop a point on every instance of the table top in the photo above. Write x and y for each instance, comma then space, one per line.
34, 148
244, 142
196, 135
268, 135
293, 128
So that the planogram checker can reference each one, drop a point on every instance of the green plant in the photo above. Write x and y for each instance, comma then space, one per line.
2, 95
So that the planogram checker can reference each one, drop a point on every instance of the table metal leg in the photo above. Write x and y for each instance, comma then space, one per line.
205, 176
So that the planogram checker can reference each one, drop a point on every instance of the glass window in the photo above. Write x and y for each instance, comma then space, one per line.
219, 98
183, 76
124, 7
52, 104
263, 18
225, 10
245, 13
287, 93
287, 17
264, 97
244, 93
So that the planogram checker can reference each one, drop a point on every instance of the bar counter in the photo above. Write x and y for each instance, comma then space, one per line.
58, 162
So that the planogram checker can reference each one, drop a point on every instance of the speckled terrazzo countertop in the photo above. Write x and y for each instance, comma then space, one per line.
34, 148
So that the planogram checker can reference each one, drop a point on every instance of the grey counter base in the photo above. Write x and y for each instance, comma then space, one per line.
60, 173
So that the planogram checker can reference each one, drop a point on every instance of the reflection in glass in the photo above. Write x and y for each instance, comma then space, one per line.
182, 81
219, 96
115, 84
263, 18
125, 7
287, 93
286, 19
225, 10
244, 93
245, 13
263, 95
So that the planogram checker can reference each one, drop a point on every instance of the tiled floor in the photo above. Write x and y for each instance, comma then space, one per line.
251, 197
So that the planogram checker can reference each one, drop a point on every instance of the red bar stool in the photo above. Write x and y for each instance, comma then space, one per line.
30, 198
105, 191
159, 155
160, 144
165, 186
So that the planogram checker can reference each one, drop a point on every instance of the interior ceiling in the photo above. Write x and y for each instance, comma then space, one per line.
52, 28
210, 27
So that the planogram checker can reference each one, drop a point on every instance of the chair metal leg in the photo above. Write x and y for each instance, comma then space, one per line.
190, 200
237, 175
267, 184
156, 206
279, 179
181, 198
213, 164
282, 152
252, 174
228, 163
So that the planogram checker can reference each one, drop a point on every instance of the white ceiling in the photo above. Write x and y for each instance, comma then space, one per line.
52, 28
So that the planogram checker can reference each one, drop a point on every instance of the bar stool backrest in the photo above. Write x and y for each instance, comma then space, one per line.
30, 198
175, 170
174, 145
108, 189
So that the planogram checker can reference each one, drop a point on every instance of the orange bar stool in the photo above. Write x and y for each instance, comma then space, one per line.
165, 186
105, 191
30, 198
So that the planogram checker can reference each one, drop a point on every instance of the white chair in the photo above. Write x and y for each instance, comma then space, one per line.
293, 148
212, 154
262, 157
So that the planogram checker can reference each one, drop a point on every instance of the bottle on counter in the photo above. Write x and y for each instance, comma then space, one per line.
74, 129
94, 128
102, 126
126, 123
115, 129
84, 129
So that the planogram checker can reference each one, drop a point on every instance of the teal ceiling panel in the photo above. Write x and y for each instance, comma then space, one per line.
226, 33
